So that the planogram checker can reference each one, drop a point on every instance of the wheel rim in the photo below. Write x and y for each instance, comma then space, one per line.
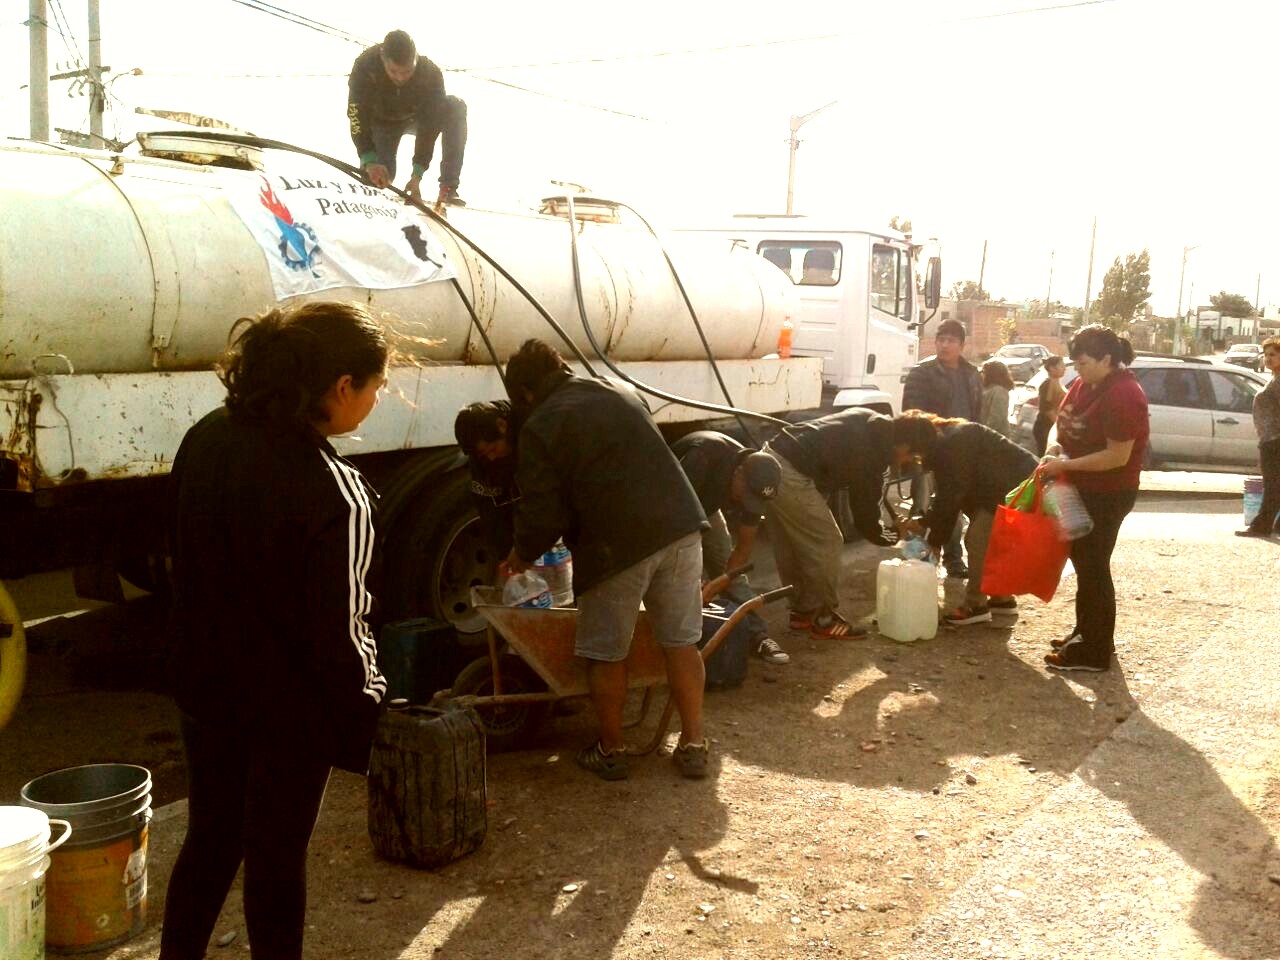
500, 721
466, 561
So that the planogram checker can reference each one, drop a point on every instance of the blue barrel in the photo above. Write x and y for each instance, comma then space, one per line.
1252, 498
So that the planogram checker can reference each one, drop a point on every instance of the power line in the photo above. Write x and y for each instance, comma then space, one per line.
655, 54
61, 17
290, 17
1017, 13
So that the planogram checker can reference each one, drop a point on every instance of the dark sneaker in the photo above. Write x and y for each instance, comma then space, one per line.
963, 616
1059, 642
1003, 603
957, 571
605, 764
769, 651
692, 759
1065, 663
449, 197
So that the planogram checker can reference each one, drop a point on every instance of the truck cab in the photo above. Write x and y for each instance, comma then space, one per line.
857, 300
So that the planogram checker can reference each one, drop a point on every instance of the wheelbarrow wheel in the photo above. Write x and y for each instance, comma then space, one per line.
509, 727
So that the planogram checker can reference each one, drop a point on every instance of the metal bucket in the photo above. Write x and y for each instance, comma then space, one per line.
97, 883
1252, 498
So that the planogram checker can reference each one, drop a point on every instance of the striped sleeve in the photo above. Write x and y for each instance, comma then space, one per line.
348, 560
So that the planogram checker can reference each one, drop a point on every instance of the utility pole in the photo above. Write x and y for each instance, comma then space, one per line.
1177, 326
1049, 293
1088, 284
1257, 314
38, 24
796, 124
982, 270
97, 99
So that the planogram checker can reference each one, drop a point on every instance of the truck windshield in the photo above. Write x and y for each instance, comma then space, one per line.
807, 263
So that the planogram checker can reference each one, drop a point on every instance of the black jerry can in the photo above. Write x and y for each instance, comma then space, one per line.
427, 793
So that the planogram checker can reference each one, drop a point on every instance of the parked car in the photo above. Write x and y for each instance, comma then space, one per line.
1247, 355
1201, 412
1022, 359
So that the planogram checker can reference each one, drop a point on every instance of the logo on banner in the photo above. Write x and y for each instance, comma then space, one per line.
299, 248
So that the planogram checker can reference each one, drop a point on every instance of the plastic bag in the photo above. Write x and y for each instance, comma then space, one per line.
1023, 495
1025, 553
526, 589
914, 548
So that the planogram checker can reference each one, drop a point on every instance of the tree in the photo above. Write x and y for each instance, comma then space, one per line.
968, 290
1125, 288
1231, 304
902, 226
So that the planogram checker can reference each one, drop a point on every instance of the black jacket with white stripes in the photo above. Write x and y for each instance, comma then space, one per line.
274, 555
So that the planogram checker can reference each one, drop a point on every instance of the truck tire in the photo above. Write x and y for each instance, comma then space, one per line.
435, 554
510, 727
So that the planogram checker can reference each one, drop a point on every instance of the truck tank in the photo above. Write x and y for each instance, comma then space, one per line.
131, 264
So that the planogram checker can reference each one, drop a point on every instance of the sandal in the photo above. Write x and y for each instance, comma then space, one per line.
601, 762
770, 652
836, 627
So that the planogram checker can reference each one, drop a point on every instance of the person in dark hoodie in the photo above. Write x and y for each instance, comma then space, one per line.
849, 451
393, 91
273, 664
593, 468
485, 432
973, 468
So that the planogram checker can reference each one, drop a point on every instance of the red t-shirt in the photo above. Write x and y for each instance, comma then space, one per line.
1115, 409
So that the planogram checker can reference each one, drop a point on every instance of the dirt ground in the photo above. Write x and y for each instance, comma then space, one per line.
856, 789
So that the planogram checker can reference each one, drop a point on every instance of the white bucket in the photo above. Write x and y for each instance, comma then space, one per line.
24, 858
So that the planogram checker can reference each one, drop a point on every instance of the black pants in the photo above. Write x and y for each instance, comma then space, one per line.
445, 118
252, 798
1269, 452
1095, 590
1040, 430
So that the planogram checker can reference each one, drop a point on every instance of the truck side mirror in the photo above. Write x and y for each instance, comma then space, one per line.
933, 283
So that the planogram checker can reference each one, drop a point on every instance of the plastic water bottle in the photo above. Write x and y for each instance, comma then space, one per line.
914, 548
526, 589
1062, 501
556, 567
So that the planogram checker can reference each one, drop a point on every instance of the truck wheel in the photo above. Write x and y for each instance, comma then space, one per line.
839, 503
510, 727
436, 553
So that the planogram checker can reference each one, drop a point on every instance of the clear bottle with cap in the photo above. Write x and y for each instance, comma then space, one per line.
556, 567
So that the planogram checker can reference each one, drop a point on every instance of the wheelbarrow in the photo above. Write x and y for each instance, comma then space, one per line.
513, 688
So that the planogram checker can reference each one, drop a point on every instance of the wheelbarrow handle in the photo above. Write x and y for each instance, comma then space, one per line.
717, 585
778, 594
740, 571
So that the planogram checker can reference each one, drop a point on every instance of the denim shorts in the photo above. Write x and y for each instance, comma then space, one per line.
670, 584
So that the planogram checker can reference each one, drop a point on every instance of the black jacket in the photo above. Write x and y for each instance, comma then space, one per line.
973, 468
373, 100
594, 469
851, 450
928, 388
709, 459
274, 555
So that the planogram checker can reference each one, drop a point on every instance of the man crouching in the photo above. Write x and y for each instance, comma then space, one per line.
593, 468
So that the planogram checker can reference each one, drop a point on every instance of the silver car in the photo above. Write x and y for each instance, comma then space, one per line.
1201, 412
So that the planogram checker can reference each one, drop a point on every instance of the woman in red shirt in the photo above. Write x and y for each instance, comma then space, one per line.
1102, 429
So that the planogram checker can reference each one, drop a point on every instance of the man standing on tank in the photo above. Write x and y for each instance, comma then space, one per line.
393, 91
593, 469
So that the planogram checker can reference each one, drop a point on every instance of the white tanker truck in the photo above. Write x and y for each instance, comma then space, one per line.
121, 274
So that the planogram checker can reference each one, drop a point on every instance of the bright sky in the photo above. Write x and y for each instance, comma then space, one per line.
977, 119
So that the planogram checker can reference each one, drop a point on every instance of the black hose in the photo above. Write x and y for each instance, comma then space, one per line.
646, 388
693, 315
357, 174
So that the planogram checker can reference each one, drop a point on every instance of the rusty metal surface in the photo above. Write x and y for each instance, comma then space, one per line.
544, 639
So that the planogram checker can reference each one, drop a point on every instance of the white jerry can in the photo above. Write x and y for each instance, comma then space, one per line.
907, 600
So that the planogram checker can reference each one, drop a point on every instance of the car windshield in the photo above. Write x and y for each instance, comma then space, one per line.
1245, 348
1012, 351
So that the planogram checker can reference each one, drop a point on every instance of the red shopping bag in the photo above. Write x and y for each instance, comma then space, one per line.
1025, 554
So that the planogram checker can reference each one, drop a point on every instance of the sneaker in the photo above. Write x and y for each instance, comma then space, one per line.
1059, 642
1253, 532
770, 652
1003, 603
692, 759
958, 571
449, 197
1065, 663
963, 616
605, 764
